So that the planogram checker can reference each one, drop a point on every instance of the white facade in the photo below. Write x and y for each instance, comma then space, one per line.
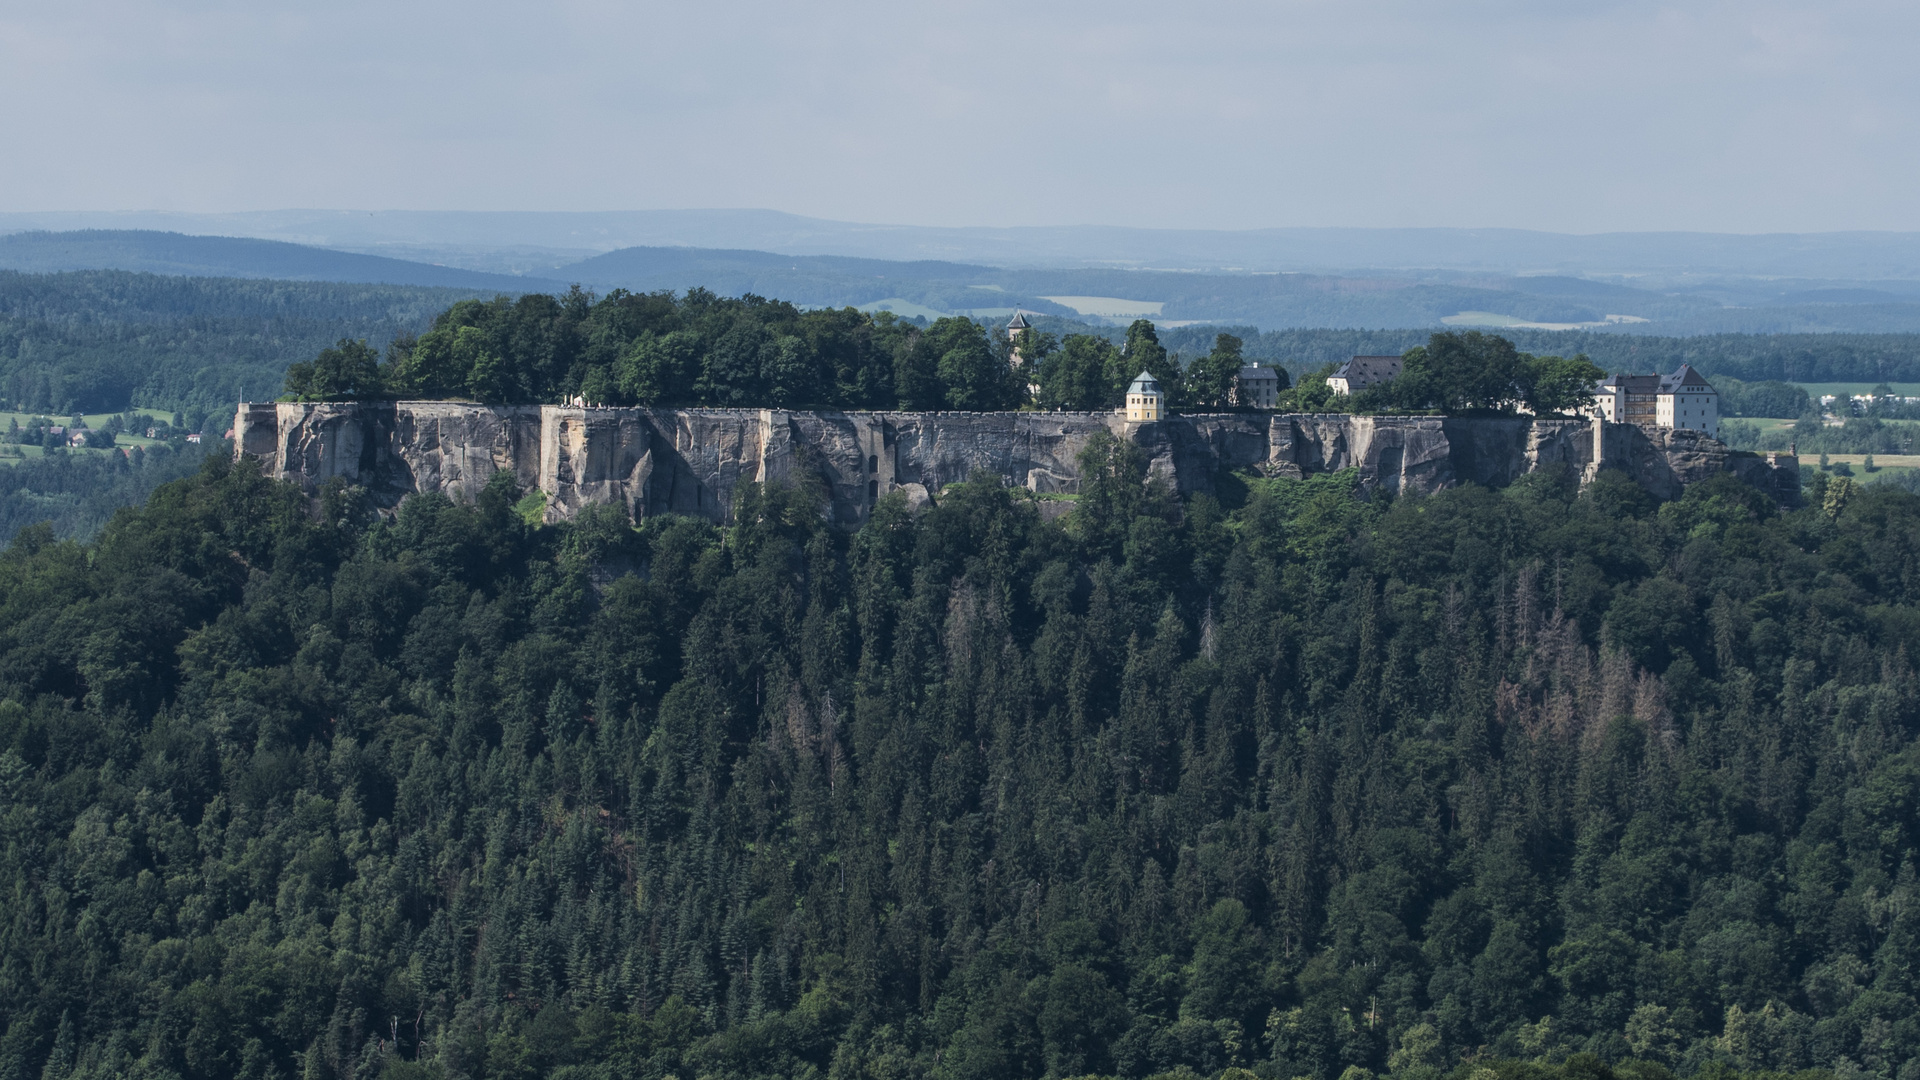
1145, 403
1688, 407
1684, 399
1609, 404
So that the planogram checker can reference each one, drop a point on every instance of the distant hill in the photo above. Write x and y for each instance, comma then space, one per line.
234, 257
1270, 301
474, 238
933, 287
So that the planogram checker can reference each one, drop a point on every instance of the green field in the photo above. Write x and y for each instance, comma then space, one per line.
13, 454
1816, 390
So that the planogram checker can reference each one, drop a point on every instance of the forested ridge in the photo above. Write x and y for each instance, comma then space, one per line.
104, 340
702, 349
1309, 786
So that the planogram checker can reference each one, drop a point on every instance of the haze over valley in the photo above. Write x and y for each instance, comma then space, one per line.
1662, 284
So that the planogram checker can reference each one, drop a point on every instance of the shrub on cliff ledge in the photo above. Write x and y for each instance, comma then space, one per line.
349, 371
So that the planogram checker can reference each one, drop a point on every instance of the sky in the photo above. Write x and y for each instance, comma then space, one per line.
1563, 115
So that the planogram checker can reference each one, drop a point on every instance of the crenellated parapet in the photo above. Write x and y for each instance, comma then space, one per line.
692, 461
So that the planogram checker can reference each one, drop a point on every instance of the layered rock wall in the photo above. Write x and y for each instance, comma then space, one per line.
692, 461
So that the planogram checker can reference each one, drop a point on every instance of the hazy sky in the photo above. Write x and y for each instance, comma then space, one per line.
1571, 115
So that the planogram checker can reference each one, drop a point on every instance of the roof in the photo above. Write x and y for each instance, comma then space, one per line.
1145, 384
1369, 370
1632, 384
1255, 371
1019, 321
1683, 378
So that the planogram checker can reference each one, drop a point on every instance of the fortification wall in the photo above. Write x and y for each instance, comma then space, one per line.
691, 461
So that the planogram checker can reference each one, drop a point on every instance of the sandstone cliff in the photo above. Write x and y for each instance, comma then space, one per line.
690, 461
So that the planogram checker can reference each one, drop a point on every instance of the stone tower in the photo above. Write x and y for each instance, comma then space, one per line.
1014, 329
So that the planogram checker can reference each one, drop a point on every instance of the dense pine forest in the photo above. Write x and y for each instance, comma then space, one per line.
76, 494
105, 340
1537, 782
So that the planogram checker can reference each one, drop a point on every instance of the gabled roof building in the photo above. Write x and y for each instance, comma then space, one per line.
1257, 387
1363, 371
1683, 399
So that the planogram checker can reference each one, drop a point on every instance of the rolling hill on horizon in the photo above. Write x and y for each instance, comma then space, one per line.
1268, 300
232, 256
935, 288
513, 241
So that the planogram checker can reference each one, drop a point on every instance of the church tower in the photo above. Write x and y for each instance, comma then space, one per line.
1014, 329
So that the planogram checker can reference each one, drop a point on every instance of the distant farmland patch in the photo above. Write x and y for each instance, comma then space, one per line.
1109, 307
1843, 389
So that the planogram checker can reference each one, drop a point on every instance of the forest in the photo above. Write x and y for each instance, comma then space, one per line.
103, 341
1524, 784
1822, 357
76, 494
705, 350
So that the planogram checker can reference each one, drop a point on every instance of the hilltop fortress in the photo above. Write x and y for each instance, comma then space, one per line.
690, 461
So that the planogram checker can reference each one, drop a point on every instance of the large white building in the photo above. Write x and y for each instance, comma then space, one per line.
1684, 399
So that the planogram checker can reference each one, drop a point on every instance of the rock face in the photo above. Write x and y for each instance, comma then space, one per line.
691, 461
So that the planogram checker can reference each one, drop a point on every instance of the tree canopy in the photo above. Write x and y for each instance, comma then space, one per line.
662, 349
1549, 782
1470, 371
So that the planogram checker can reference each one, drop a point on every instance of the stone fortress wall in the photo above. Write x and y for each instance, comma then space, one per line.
690, 461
